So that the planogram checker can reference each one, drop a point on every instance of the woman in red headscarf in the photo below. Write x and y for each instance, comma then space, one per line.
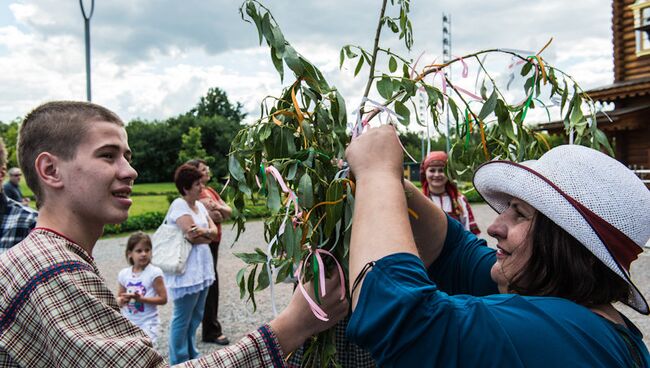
444, 193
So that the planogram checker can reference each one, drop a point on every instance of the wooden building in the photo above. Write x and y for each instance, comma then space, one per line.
629, 128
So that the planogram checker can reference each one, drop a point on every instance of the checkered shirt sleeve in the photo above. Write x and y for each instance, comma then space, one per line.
56, 311
16, 223
348, 355
257, 349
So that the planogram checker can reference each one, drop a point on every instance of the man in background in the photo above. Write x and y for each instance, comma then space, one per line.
12, 186
16, 220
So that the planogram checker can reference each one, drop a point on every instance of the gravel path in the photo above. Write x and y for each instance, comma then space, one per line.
237, 316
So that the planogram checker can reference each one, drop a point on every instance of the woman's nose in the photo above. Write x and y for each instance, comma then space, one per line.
498, 228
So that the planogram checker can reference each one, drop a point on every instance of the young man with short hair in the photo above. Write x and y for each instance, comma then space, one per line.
16, 220
56, 309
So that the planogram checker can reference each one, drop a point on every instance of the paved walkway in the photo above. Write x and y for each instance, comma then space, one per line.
237, 316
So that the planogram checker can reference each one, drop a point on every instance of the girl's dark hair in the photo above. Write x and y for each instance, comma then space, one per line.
561, 266
185, 176
134, 239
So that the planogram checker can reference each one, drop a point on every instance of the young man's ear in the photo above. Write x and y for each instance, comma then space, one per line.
48, 170
3, 173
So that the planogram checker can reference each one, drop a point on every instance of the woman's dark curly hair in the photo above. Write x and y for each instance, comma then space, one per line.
561, 266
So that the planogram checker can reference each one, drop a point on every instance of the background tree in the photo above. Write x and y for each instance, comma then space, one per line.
9, 133
192, 147
215, 103
413, 144
156, 144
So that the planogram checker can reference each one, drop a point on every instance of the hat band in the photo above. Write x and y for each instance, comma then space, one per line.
620, 246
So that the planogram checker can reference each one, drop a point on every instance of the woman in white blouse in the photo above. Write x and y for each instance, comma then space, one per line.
190, 289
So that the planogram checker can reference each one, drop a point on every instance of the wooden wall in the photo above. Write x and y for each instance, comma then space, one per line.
627, 65
638, 150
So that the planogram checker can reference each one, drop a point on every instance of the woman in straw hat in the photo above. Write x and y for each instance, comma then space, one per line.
427, 293
443, 192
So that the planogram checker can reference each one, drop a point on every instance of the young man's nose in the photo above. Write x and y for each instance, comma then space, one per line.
128, 172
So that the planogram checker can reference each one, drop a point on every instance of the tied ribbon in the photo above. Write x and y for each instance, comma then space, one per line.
414, 72
363, 123
529, 99
299, 115
292, 198
320, 267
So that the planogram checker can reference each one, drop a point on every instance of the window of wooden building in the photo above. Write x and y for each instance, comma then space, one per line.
641, 10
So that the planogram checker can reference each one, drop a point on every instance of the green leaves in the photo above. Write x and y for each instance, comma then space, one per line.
505, 123
403, 113
305, 191
385, 87
488, 106
273, 198
333, 212
235, 169
392, 64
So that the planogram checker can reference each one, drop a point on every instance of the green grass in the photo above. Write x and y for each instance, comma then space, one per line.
149, 203
154, 188
25, 190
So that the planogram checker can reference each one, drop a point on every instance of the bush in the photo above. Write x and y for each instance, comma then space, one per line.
171, 197
151, 220
145, 221
472, 196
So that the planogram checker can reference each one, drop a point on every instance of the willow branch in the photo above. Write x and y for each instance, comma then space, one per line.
373, 61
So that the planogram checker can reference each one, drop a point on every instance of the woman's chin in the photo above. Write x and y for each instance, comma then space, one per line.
497, 276
436, 188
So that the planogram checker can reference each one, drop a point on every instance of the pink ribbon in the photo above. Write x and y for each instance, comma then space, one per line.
470, 94
292, 196
414, 67
465, 67
316, 310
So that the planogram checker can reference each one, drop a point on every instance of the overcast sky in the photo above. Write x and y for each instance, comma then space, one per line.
154, 59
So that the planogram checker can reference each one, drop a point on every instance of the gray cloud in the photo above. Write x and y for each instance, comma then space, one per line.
136, 31
137, 43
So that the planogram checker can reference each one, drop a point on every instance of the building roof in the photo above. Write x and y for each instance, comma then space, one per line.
605, 119
621, 90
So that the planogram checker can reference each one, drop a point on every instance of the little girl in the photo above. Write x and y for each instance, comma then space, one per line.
141, 286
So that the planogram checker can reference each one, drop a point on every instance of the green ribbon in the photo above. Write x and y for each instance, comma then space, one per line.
314, 263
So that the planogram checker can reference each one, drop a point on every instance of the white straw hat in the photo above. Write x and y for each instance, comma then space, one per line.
590, 195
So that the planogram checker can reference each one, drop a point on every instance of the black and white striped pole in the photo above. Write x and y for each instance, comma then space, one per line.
446, 56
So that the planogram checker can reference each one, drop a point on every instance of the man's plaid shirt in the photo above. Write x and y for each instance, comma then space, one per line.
348, 355
16, 222
56, 311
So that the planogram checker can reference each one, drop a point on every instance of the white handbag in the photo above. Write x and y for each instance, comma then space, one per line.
170, 248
